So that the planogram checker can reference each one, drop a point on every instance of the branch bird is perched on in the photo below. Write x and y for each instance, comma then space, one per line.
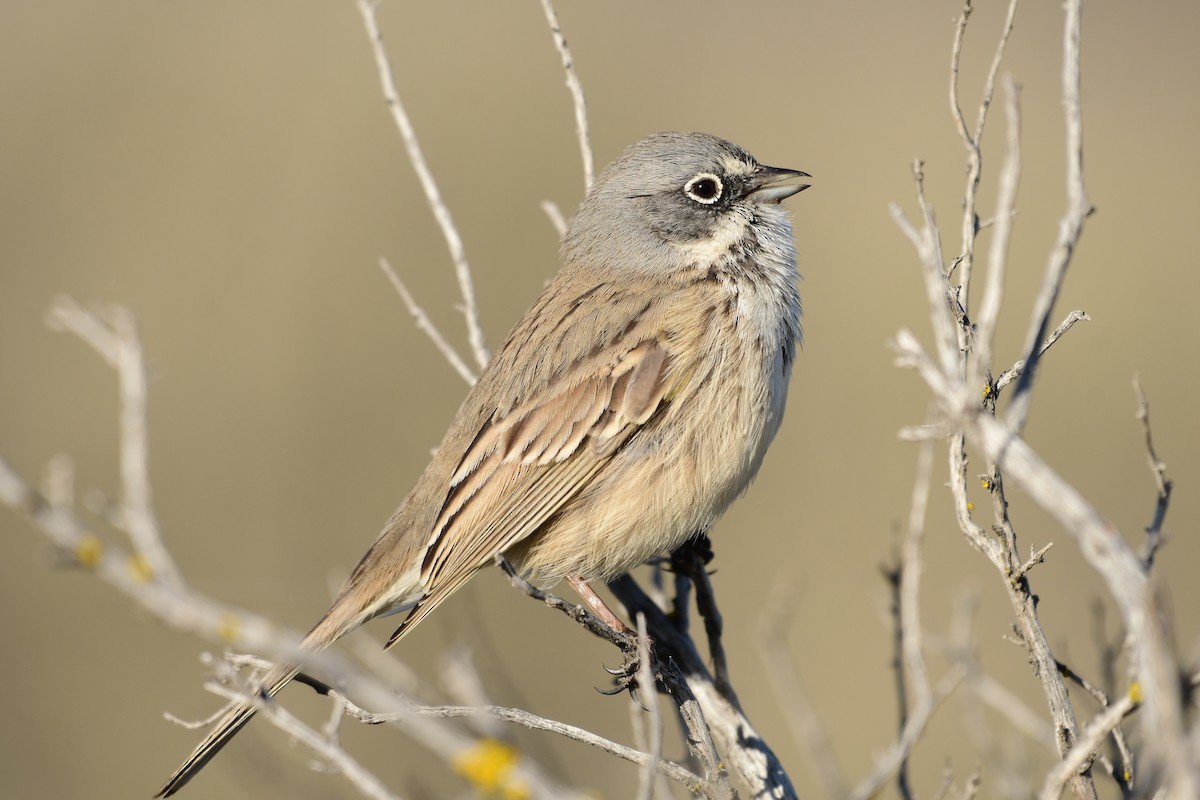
626, 410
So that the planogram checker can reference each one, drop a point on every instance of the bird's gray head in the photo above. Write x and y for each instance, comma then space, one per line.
678, 199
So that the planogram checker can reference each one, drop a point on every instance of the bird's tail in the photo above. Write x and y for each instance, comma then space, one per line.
377, 586
342, 617
224, 730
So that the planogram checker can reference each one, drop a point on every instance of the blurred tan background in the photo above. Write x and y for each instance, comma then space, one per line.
229, 172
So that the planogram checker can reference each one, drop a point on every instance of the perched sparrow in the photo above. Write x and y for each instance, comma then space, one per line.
626, 410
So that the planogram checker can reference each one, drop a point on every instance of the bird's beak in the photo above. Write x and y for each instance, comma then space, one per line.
765, 184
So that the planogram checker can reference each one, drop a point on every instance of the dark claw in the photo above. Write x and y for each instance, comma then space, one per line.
626, 675
610, 692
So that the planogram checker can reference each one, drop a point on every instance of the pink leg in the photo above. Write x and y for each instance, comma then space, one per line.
598, 605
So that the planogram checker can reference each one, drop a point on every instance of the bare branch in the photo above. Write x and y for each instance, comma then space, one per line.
908, 612
116, 340
1159, 470
653, 723
425, 324
440, 212
326, 748
743, 751
555, 215
1006, 201
1035, 558
926, 699
973, 142
1080, 758
534, 722
1070, 227
887, 763
929, 249
1012, 708
1107, 552
808, 730
581, 122
1018, 369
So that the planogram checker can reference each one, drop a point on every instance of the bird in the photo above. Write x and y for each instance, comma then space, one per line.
632, 403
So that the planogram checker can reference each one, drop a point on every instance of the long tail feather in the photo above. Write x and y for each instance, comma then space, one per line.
223, 731
375, 587
346, 614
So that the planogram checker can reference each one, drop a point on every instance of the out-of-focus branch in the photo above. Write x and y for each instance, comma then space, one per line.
1080, 757
928, 243
1070, 227
1011, 460
1006, 209
324, 747
911, 671
808, 729
973, 142
174, 602
115, 337
889, 761
653, 716
555, 215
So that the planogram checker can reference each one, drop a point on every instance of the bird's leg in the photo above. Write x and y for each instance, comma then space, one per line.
625, 675
597, 604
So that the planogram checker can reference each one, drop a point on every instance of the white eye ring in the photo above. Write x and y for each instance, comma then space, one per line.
705, 188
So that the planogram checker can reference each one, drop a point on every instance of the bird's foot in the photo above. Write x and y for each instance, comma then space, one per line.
628, 676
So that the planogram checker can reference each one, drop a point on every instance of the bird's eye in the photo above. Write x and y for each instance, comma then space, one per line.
705, 188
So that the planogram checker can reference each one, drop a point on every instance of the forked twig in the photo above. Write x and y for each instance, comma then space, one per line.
441, 213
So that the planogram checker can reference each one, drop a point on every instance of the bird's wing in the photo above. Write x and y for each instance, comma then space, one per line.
525, 464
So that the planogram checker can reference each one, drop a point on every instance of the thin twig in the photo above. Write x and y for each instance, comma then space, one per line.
1163, 484
887, 763
581, 121
441, 213
1006, 202
908, 612
116, 340
892, 576
926, 698
653, 716
327, 749
936, 287
579, 613
1008, 705
1035, 557
555, 215
1070, 227
973, 142
808, 730
533, 722
1018, 369
425, 324
1080, 757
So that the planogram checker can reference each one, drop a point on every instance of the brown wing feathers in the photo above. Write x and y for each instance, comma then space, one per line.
523, 468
